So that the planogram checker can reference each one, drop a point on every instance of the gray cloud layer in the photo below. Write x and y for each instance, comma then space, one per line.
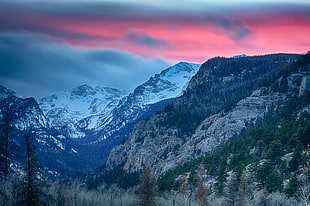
19, 16
33, 65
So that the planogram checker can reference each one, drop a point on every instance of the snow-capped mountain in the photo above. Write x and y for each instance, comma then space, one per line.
145, 100
170, 83
66, 108
54, 150
105, 130
76, 129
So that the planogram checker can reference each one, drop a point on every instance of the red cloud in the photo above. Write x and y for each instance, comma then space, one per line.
173, 37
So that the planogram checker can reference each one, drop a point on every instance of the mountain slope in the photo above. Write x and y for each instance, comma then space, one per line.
225, 96
105, 130
148, 98
97, 119
52, 148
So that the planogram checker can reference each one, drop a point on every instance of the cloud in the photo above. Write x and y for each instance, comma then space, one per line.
140, 38
236, 29
193, 31
33, 65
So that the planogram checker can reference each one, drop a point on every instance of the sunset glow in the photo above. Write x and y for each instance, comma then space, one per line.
184, 30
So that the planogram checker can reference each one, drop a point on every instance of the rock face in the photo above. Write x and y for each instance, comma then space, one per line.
223, 98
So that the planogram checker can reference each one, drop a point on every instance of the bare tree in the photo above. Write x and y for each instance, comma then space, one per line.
201, 193
147, 190
304, 188
231, 190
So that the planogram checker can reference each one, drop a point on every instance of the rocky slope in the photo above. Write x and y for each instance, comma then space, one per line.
225, 96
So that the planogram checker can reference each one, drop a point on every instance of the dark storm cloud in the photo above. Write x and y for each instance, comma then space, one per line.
18, 26
30, 65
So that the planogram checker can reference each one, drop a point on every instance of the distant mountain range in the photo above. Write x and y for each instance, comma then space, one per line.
175, 117
85, 123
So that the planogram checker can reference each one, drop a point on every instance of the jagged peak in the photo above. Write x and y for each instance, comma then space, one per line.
86, 90
181, 66
176, 74
5, 92
3, 89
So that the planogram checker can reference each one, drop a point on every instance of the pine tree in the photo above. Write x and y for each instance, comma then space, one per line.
147, 190
6, 131
292, 187
30, 191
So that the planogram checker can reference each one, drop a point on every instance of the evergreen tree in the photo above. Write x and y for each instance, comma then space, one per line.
30, 191
5, 139
274, 182
296, 159
268, 178
147, 190
292, 187
275, 150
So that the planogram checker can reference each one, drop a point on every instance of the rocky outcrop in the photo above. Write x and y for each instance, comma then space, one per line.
167, 151
305, 85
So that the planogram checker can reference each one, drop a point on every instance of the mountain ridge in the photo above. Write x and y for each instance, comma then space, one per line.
72, 121
223, 85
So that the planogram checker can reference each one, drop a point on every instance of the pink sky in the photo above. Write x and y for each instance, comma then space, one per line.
174, 35
147, 34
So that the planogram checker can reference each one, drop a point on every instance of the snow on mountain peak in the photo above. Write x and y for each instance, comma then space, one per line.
72, 105
170, 83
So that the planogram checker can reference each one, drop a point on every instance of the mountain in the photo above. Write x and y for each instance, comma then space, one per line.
98, 118
26, 117
240, 56
105, 130
65, 109
226, 96
67, 125
145, 100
